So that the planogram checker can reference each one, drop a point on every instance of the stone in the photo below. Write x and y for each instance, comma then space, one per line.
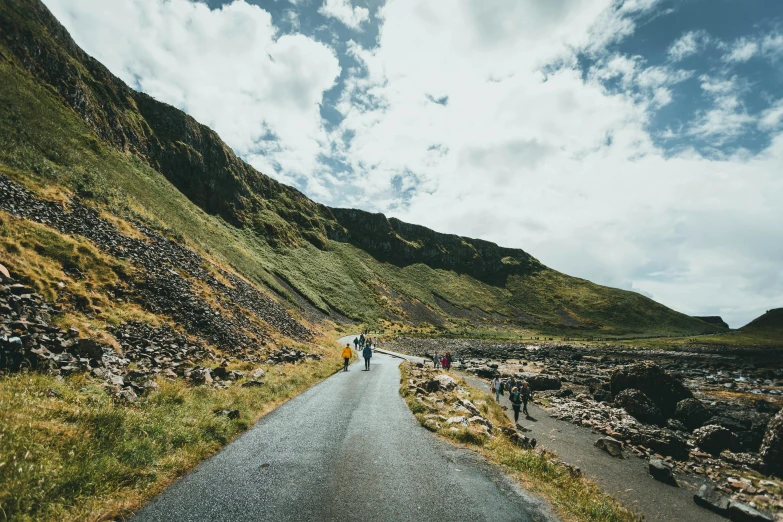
231, 414
639, 406
708, 497
771, 450
446, 382
602, 395
661, 472
257, 373
88, 348
740, 512
540, 381
5, 275
659, 386
692, 413
713, 439
127, 395
220, 372
253, 383
610, 445
457, 420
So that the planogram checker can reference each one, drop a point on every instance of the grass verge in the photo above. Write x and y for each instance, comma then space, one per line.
573, 496
68, 451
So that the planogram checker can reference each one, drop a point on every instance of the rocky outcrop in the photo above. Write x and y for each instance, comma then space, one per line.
713, 319
692, 413
540, 381
772, 446
638, 405
714, 439
662, 389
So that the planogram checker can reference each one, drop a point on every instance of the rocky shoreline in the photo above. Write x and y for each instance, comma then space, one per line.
705, 414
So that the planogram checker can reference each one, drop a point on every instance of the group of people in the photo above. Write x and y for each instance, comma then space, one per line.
362, 344
442, 361
520, 394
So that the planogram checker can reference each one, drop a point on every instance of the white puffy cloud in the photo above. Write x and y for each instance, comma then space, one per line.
556, 163
228, 68
342, 10
741, 51
772, 117
687, 45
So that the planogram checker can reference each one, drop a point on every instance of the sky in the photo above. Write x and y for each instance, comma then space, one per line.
634, 143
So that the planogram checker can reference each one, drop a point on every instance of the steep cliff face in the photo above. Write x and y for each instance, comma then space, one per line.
190, 155
394, 241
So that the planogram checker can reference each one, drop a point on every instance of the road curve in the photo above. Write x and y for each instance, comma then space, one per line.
346, 449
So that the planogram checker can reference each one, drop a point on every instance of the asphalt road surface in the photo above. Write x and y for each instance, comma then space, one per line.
346, 449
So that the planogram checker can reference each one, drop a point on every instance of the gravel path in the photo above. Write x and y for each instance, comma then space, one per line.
626, 479
346, 449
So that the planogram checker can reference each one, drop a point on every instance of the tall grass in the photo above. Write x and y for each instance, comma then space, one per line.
69, 451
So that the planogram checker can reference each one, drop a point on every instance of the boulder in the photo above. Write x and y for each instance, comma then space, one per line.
659, 386
664, 442
88, 348
446, 382
540, 381
660, 471
461, 420
612, 446
602, 395
772, 446
714, 439
257, 373
638, 405
692, 413
708, 497
231, 414
5, 275
740, 512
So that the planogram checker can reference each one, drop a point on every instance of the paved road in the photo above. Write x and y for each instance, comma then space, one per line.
346, 449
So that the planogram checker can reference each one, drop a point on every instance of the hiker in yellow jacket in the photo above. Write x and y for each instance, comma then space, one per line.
347, 352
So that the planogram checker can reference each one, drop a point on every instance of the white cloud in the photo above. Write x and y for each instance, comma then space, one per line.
687, 45
728, 117
342, 10
772, 45
741, 50
557, 164
772, 117
229, 68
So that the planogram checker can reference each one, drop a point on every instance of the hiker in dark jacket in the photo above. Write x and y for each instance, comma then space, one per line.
367, 354
526, 394
516, 402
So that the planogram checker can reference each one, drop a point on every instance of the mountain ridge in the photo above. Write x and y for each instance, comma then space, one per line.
395, 272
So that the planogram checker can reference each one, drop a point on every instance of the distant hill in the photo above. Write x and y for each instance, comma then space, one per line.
770, 324
69, 128
714, 319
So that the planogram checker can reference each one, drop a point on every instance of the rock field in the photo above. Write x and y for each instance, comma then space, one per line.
165, 282
717, 416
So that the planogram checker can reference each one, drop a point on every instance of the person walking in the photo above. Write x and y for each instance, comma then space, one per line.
495, 387
346, 356
444, 362
525, 396
435, 361
356, 343
367, 353
516, 403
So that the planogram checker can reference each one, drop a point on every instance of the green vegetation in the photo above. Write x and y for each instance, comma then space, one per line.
141, 159
573, 496
68, 451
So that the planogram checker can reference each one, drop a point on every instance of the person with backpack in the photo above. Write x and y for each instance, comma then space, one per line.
516, 403
367, 354
356, 343
526, 394
347, 353
495, 387
444, 362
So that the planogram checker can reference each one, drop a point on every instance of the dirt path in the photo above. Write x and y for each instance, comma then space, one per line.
626, 479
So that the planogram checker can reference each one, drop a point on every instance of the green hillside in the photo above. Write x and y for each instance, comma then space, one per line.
770, 324
68, 127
